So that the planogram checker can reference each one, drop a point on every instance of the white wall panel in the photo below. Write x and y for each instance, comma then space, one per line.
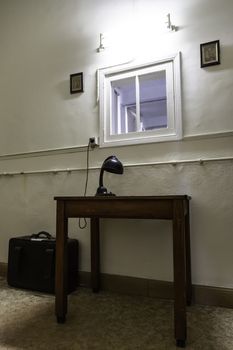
42, 43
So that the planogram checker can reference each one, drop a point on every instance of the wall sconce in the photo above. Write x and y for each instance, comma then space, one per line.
101, 46
111, 165
170, 26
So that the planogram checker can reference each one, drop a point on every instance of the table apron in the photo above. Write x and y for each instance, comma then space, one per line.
162, 209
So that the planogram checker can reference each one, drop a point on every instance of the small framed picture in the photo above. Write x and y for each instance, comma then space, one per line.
210, 53
76, 83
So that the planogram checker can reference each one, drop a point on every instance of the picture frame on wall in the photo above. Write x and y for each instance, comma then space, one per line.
210, 53
76, 83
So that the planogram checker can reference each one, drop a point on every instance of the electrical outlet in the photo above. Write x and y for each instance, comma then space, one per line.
93, 142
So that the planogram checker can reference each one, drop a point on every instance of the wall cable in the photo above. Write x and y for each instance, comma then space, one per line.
84, 225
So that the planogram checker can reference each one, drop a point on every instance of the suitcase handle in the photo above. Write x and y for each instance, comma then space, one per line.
41, 234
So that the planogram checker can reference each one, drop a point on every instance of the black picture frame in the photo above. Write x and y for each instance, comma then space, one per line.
210, 53
76, 83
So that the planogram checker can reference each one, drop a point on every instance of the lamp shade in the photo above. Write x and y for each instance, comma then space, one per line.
111, 165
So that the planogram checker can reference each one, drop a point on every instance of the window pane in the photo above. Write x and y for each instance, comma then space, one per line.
153, 101
123, 96
140, 103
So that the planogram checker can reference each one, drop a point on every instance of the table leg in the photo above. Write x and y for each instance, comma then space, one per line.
61, 264
95, 255
179, 258
188, 257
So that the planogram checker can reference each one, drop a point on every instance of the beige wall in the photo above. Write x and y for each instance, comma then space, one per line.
45, 41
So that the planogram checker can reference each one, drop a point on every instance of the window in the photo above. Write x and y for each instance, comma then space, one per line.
140, 104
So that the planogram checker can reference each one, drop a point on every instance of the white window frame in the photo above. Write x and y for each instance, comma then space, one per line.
172, 132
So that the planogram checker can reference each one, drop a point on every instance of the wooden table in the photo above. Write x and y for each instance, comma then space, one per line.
175, 208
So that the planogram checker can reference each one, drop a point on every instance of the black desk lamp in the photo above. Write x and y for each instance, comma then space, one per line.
111, 165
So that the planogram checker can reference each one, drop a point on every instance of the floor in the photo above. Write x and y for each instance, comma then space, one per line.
106, 321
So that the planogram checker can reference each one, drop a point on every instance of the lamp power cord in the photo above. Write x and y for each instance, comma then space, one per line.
84, 224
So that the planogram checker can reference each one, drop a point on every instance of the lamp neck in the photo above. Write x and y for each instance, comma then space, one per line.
101, 177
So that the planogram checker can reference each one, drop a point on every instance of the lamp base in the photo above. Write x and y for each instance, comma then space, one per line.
102, 191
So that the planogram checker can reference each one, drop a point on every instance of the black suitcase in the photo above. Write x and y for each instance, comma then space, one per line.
31, 263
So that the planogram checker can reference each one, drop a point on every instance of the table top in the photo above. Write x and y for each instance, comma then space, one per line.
126, 198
